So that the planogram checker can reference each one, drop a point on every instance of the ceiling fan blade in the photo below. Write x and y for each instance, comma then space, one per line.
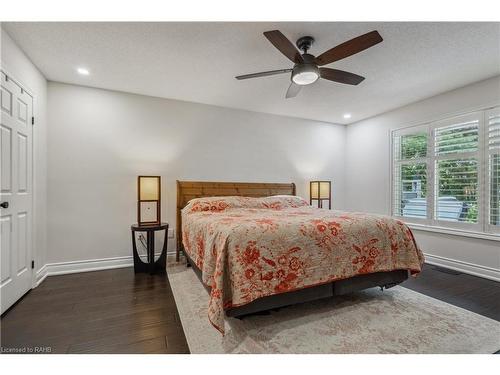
349, 48
263, 74
340, 76
293, 90
286, 47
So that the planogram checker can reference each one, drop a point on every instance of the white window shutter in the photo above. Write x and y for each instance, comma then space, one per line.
409, 176
457, 169
492, 118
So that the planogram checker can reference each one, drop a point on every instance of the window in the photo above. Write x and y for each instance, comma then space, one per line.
456, 150
447, 173
493, 155
410, 175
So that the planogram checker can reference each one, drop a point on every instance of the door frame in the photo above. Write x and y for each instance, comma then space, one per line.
30, 92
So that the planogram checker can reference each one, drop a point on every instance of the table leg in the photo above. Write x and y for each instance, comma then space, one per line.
161, 263
151, 250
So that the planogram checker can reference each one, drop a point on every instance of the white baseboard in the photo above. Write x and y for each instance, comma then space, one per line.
64, 268
458, 265
41, 274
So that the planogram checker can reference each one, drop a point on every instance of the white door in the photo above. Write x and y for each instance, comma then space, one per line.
16, 185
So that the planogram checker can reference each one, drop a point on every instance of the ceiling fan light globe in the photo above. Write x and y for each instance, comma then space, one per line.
305, 74
305, 78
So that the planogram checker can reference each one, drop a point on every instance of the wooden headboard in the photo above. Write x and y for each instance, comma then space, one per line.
187, 190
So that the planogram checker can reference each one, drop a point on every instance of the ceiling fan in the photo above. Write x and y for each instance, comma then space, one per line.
307, 67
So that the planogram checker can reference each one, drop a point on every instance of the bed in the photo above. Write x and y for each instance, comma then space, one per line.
257, 246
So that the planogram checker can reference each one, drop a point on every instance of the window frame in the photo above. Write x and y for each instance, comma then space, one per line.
481, 155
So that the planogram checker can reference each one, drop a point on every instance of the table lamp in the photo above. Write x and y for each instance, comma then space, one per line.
321, 191
148, 200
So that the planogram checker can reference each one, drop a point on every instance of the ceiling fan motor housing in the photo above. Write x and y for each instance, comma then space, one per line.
304, 43
307, 72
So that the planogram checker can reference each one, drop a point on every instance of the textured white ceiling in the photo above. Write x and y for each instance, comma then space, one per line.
198, 61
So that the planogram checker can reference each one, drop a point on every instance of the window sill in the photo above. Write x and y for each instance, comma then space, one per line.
455, 232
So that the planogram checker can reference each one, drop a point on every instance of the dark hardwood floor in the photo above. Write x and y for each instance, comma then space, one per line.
116, 311
110, 311
472, 293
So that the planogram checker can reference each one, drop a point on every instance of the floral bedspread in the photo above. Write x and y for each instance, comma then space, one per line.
249, 248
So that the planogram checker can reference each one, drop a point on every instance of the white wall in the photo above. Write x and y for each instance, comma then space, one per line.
368, 168
15, 62
99, 141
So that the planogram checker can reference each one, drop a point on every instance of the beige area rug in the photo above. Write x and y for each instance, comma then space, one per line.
397, 320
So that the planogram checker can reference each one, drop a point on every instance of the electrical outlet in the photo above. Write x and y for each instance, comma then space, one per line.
170, 233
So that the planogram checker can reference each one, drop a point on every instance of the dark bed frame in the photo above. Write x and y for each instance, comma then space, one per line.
187, 190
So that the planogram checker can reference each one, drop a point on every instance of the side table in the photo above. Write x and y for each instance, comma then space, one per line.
151, 266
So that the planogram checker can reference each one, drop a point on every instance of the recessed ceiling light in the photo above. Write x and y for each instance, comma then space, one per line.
83, 71
347, 115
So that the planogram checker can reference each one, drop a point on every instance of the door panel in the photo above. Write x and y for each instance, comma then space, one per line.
16, 183
6, 243
6, 156
6, 100
22, 163
22, 111
22, 243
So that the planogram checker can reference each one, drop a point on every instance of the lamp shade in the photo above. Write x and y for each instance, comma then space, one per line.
320, 189
149, 188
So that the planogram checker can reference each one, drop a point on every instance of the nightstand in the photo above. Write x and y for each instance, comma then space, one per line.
151, 266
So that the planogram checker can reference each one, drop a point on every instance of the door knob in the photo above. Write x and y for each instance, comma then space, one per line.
4, 204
